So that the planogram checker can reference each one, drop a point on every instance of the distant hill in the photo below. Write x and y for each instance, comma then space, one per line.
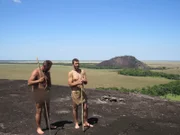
123, 62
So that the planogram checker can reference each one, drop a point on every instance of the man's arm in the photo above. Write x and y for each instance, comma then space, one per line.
70, 80
32, 80
84, 77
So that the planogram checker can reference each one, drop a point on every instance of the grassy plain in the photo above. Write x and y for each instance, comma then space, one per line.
173, 67
96, 77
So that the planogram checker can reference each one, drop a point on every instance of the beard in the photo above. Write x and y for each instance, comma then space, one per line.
46, 69
76, 68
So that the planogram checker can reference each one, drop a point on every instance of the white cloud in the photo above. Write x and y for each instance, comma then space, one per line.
17, 1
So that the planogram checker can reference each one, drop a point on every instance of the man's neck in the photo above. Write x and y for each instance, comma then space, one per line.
42, 69
77, 70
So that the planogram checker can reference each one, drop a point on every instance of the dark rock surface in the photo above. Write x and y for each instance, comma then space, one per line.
127, 114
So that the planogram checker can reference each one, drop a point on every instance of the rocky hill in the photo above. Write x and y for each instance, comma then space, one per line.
123, 62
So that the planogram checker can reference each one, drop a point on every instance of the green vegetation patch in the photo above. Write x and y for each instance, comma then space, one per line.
172, 88
141, 72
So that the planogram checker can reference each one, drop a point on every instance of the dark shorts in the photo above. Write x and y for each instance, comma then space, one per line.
41, 96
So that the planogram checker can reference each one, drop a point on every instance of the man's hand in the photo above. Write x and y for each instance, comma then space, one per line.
79, 82
84, 81
41, 79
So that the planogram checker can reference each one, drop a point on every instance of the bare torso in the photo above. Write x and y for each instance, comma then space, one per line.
76, 76
45, 84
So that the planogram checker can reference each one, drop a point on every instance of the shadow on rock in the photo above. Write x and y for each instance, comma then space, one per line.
91, 121
61, 123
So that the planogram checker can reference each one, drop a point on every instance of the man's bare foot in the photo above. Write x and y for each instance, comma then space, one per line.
86, 124
39, 131
76, 126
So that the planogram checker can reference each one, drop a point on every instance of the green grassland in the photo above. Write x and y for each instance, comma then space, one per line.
171, 97
97, 77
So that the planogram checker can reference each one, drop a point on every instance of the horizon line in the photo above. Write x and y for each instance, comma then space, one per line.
79, 60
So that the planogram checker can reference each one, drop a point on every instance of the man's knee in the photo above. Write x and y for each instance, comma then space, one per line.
38, 109
75, 107
85, 106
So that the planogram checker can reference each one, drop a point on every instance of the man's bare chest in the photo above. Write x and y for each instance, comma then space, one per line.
76, 76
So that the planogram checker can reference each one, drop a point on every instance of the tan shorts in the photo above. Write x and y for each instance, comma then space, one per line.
76, 97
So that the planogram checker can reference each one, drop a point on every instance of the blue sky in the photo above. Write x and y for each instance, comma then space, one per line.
89, 29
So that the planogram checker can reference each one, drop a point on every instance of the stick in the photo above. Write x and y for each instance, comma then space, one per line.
82, 108
42, 74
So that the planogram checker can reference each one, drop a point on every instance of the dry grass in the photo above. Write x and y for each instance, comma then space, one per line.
97, 78
169, 71
168, 64
174, 66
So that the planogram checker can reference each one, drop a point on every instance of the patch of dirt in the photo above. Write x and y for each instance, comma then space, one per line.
111, 112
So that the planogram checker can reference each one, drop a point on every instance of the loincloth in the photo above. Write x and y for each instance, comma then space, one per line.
40, 96
76, 97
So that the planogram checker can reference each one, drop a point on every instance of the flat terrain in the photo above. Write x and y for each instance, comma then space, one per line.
168, 64
96, 77
173, 66
132, 114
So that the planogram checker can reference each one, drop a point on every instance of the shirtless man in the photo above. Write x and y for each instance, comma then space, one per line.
41, 83
77, 78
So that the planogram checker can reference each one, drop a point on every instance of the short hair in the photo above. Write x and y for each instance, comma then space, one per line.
47, 63
75, 59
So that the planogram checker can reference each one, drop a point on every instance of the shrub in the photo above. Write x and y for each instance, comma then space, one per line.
156, 90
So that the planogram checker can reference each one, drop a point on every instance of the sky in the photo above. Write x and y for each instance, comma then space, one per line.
89, 29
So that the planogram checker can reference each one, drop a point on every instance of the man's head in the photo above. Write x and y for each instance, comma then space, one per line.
75, 63
47, 65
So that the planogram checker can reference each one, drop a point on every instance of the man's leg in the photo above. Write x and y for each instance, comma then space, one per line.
86, 115
38, 117
75, 115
